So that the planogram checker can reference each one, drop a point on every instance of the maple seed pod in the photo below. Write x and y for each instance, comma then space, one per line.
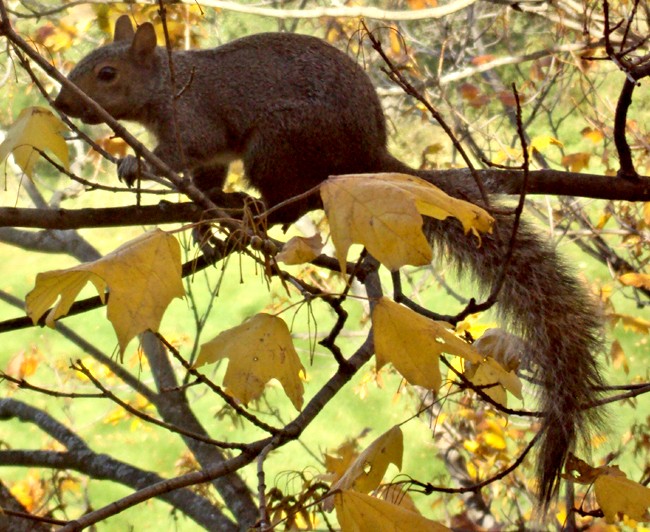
269, 248
257, 243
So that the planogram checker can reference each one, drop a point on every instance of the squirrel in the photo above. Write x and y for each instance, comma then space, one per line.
296, 110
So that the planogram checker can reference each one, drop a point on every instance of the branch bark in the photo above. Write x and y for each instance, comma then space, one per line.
497, 181
81, 458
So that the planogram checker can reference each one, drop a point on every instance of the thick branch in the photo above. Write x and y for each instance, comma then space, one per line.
81, 458
174, 407
499, 181
551, 182
108, 217
103, 467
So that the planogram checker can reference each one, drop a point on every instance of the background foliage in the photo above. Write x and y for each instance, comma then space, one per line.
99, 445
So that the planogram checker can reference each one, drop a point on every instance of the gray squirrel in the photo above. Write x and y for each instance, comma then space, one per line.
296, 110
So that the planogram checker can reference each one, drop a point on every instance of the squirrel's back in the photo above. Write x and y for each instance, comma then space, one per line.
264, 99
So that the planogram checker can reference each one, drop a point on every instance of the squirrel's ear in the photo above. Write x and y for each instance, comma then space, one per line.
145, 40
123, 29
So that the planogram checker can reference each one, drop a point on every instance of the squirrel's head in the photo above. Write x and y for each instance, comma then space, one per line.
119, 76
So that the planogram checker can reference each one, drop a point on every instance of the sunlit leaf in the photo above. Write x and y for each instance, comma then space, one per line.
594, 135
495, 440
258, 350
631, 323
639, 280
142, 277
507, 154
383, 213
496, 380
368, 469
113, 145
357, 512
36, 128
24, 364
618, 495
30, 491
542, 142
413, 343
576, 162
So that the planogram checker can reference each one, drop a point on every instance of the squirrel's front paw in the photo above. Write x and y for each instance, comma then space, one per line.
129, 169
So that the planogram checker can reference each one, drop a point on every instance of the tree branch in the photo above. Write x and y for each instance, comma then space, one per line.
497, 181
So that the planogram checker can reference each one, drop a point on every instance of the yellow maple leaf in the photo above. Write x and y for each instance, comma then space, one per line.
362, 513
639, 280
594, 135
631, 323
413, 343
142, 277
384, 212
540, 143
368, 469
507, 154
495, 440
36, 128
576, 162
495, 378
258, 350
29, 491
300, 250
616, 494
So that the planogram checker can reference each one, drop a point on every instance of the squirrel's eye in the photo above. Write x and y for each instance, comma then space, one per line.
107, 73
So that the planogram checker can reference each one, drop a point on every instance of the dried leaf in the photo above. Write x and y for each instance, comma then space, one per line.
631, 323
618, 358
300, 250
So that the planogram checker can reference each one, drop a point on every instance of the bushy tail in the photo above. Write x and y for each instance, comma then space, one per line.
545, 304
549, 308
